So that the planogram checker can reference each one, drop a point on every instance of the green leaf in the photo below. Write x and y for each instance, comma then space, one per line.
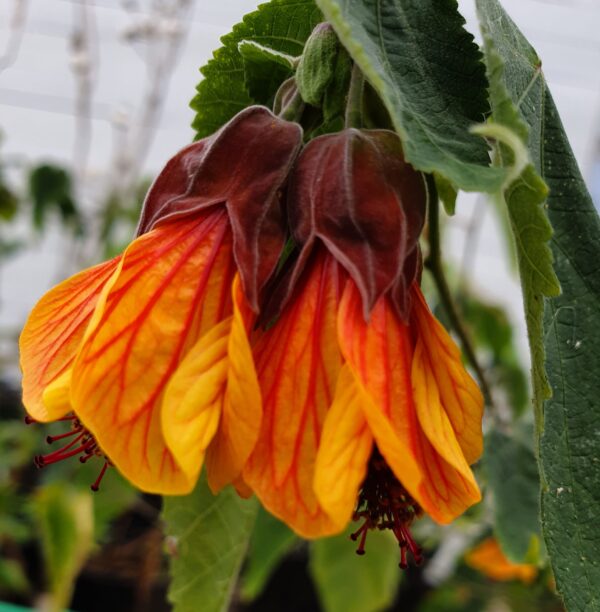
65, 520
525, 196
352, 583
280, 25
428, 72
513, 479
207, 539
569, 444
270, 541
264, 70
9, 203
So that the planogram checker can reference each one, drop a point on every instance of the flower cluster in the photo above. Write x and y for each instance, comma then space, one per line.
318, 380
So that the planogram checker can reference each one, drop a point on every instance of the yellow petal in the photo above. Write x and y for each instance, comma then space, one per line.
241, 415
440, 363
346, 444
53, 333
193, 400
379, 353
174, 286
297, 362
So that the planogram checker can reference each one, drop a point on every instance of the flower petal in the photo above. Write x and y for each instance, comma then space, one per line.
489, 559
242, 405
193, 400
379, 354
346, 445
445, 386
298, 362
173, 287
53, 333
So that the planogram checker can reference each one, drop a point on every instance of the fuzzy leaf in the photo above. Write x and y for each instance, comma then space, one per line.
207, 539
428, 72
569, 440
525, 198
514, 480
280, 25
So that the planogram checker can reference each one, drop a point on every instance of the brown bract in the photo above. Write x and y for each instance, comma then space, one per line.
355, 193
244, 166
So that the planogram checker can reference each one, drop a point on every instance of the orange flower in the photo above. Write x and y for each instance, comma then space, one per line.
489, 559
149, 350
364, 393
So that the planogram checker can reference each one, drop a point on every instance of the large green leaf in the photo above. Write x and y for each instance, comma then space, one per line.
513, 479
569, 442
207, 539
352, 583
525, 196
282, 25
428, 72
270, 541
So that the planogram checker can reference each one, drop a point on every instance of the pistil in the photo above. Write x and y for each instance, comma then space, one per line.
383, 503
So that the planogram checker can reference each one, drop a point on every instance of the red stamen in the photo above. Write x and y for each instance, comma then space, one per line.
383, 503
82, 443
96, 484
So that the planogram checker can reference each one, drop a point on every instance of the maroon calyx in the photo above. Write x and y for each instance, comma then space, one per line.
383, 503
78, 441
244, 166
354, 194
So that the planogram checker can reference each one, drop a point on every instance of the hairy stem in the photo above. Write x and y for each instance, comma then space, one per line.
434, 264
354, 106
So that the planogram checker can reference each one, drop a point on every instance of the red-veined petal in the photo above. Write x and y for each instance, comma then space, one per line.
242, 405
298, 361
173, 286
444, 386
380, 354
346, 445
53, 333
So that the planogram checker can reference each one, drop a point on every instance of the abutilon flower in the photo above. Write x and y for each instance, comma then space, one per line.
487, 557
368, 412
147, 354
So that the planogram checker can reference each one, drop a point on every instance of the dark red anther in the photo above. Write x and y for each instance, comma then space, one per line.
29, 420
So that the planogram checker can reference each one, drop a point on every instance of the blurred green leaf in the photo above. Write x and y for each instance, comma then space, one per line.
525, 196
270, 541
569, 444
50, 190
207, 539
65, 521
493, 334
9, 203
12, 578
514, 481
351, 583
447, 193
281, 25
428, 72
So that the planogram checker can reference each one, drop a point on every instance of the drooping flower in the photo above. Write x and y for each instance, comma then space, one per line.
367, 408
488, 558
147, 355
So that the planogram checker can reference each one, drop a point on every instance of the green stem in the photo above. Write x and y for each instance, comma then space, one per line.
354, 106
293, 109
434, 264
